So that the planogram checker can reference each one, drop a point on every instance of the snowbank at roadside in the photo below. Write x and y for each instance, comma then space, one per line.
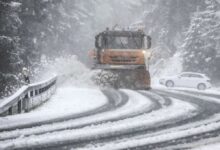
168, 67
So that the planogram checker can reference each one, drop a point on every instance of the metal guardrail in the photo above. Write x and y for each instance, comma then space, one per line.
28, 97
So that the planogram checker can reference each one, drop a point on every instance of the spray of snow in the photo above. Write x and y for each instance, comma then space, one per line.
70, 71
166, 67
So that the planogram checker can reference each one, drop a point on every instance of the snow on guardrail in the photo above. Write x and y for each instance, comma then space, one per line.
28, 97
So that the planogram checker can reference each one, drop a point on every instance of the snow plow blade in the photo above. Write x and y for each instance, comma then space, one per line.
134, 77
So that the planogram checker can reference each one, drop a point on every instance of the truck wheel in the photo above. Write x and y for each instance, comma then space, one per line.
201, 86
169, 83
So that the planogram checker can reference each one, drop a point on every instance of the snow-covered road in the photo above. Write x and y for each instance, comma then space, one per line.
81, 118
66, 103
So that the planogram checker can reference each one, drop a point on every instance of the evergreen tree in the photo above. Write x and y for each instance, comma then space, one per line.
200, 42
10, 61
166, 22
33, 31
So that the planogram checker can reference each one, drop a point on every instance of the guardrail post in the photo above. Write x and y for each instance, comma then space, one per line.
25, 102
20, 106
10, 111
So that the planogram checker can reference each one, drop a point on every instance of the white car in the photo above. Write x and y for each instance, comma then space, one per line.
187, 79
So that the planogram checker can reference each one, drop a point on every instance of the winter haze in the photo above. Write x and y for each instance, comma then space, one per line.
31, 30
51, 97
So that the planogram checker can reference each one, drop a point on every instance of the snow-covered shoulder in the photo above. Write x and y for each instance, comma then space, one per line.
66, 101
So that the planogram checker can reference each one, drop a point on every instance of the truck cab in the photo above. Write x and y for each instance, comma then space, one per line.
122, 48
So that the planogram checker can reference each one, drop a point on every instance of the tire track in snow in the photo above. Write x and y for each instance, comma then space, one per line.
209, 109
110, 131
214, 94
206, 109
115, 100
198, 93
203, 112
141, 109
111, 95
144, 131
186, 139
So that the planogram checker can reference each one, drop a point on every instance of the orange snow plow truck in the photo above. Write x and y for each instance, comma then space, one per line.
123, 58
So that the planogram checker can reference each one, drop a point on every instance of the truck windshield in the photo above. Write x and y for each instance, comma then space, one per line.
121, 42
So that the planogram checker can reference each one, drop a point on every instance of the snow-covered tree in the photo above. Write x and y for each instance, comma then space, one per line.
201, 40
165, 21
33, 31
10, 61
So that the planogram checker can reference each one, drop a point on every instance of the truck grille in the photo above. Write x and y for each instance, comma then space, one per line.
123, 59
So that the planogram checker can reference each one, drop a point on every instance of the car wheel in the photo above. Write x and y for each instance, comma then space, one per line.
201, 86
169, 84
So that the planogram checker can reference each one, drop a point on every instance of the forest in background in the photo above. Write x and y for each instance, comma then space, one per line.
34, 29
